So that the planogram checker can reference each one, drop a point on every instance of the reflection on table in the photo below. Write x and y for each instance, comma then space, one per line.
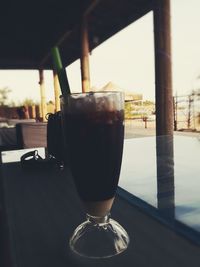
163, 172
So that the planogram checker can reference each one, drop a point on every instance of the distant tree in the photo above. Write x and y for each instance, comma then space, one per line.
12, 104
28, 102
4, 95
197, 92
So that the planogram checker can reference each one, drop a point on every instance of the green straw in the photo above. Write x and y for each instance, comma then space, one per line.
62, 76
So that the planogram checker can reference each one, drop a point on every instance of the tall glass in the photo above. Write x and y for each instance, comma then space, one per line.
93, 125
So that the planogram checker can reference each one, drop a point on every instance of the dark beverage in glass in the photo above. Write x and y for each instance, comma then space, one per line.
93, 125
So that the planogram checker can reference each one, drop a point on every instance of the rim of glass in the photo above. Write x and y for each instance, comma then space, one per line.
91, 93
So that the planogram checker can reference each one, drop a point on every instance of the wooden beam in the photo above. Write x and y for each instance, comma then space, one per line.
85, 72
91, 7
42, 95
68, 33
163, 73
57, 91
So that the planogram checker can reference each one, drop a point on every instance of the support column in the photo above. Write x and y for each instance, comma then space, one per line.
163, 73
32, 112
85, 72
57, 91
43, 110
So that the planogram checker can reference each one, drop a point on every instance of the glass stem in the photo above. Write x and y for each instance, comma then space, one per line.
98, 219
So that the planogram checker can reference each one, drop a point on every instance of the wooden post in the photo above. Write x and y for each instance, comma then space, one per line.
32, 112
189, 112
42, 95
57, 91
37, 112
163, 74
175, 113
85, 73
145, 122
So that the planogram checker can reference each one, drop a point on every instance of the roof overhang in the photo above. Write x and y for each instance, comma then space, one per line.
29, 29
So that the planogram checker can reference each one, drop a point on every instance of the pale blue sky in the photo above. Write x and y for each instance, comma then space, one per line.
127, 59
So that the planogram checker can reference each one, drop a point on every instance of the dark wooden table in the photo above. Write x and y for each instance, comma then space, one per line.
40, 209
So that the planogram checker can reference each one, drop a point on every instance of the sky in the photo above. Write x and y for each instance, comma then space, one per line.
127, 59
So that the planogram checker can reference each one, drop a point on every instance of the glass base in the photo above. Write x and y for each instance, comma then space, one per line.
99, 237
